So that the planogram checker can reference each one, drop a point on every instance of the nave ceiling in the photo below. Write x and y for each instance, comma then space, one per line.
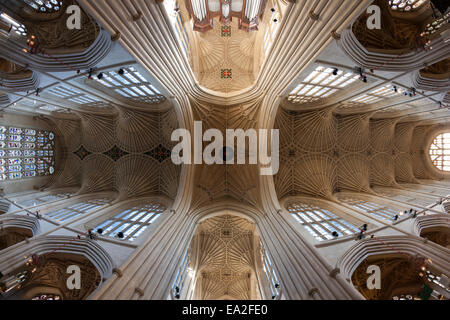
327, 145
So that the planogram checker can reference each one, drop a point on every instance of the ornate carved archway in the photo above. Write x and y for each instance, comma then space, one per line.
49, 276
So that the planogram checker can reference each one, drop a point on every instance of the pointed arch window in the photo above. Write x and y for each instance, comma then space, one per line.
440, 152
26, 153
129, 224
321, 223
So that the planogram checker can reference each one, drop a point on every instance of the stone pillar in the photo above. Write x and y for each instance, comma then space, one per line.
302, 272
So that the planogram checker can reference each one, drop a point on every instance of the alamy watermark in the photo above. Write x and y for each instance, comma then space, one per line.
216, 153
74, 280
374, 280
74, 20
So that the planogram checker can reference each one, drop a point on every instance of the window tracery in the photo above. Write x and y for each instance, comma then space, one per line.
26, 153
129, 224
72, 95
43, 199
131, 84
378, 94
440, 152
380, 211
321, 223
321, 83
74, 210
436, 25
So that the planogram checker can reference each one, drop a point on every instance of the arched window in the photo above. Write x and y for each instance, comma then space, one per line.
131, 223
321, 223
380, 211
26, 153
440, 152
77, 209
45, 5
406, 5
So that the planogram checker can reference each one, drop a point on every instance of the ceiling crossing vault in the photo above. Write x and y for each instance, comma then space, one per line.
226, 58
221, 182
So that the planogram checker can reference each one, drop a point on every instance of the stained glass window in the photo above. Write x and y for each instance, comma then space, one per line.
440, 152
74, 210
131, 223
405, 5
26, 153
319, 222
436, 24
48, 6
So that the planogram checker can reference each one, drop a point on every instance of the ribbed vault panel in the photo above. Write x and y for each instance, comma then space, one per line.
321, 153
98, 132
381, 135
117, 161
98, 173
382, 170
142, 131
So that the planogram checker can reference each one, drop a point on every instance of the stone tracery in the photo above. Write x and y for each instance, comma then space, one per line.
126, 149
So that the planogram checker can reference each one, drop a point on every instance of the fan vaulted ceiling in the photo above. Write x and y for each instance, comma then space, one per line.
335, 135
